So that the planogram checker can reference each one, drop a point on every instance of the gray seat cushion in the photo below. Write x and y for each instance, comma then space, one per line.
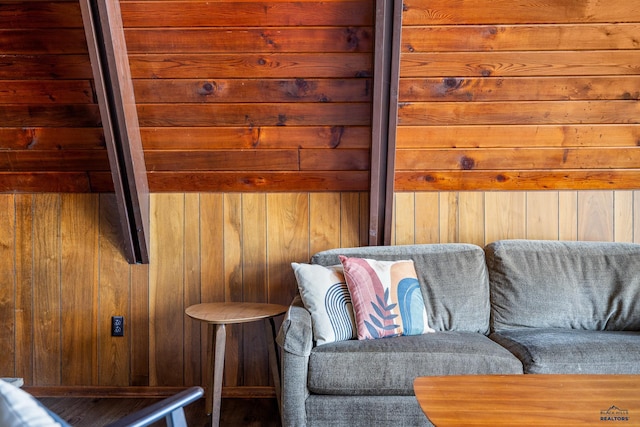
388, 366
574, 285
566, 351
453, 278
364, 411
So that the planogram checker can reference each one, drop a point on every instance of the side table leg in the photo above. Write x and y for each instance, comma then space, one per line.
215, 380
274, 361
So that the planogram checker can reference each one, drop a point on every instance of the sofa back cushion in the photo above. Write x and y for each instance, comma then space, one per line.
453, 280
556, 284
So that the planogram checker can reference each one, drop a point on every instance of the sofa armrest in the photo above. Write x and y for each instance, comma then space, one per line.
295, 338
296, 333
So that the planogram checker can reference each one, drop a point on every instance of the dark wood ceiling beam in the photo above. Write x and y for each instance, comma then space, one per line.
114, 90
388, 26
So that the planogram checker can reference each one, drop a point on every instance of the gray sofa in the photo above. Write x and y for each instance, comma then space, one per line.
513, 307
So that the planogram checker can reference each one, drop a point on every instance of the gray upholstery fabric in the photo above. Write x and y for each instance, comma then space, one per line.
295, 334
574, 285
293, 389
364, 411
388, 366
453, 279
566, 351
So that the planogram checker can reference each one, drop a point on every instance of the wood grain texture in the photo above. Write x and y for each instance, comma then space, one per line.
47, 92
51, 138
483, 217
271, 39
246, 13
354, 219
288, 220
405, 212
255, 286
257, 137
266, 114
234, 90
527, 113
544, 400
516, 180
115, 297
491, 136
222, 160
519, 12
505, 212
473, 217
44, 41
521, 63
595, 216
192, 289
7, 286
518, 159
568, 215
79, 288
519, 88
324, 209
45, 67
248, 65
542, 215
166, 290
259, 181
47, 322
585, 36
623, 216
448, 217
232, 283
46, 14
249, 68
487, 75
24, 274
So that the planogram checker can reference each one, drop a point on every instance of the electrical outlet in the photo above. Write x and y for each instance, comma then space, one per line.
117, 326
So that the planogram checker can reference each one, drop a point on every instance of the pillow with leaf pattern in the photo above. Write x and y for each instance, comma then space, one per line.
386, 297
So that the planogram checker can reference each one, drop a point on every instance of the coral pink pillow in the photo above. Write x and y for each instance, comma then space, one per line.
386, 297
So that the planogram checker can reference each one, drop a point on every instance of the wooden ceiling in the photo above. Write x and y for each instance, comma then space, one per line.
231, 96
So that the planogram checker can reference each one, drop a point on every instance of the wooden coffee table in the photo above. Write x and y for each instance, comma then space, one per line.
530, 400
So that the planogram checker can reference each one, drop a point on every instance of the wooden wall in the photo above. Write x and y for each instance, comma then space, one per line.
50, 133
484, 217
231, 95
519, 95
64, 277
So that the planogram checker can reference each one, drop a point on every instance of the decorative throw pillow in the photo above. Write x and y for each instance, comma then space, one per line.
386, 297
19, 408
324, 293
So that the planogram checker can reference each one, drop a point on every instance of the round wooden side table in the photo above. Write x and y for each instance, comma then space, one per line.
220, 314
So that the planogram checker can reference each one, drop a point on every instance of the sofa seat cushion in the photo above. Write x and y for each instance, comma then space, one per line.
388, 366
364, 411
566, 351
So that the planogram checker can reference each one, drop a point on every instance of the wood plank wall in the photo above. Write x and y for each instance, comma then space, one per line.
253, 96
484, 217
50, 133
519, 95
231, 95
64, 277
